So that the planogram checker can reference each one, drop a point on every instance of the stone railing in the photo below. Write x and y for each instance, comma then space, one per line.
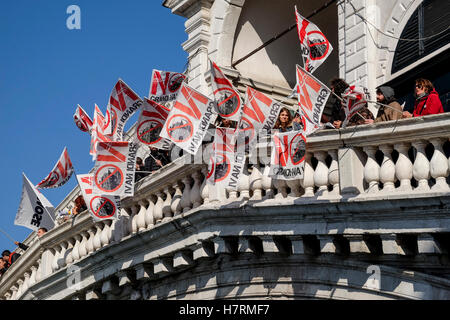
389, 160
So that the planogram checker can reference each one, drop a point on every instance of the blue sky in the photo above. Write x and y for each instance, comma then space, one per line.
47, 69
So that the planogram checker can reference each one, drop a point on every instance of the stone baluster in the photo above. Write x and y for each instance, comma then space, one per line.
176, 200
68, 254
267, 185
61, 259
256, 183
75, 253
149, 219
281, 187
19, 289
97, 242
82, 249
387, 170
7, 296
33, 280
244, 184
90, 242
204, 189
196, 197
421, 167
106, 234
125, 222
333, 172
232, 194
294, 186
26, 282
157, 212
403, 167
371, 169
321, 174
308, 177
166, 208
134, 216
14, 292
186, 197
141, 216
54, 263
39, 271
439, 166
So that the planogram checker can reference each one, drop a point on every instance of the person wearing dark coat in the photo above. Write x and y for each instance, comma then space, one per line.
156, 160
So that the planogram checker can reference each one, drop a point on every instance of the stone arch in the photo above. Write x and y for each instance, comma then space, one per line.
396, 22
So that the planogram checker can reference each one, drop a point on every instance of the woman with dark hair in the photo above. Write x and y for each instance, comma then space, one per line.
427, 100
284, 122
333, 111
80, 205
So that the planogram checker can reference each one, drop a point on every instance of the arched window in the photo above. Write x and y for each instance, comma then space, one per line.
431, 17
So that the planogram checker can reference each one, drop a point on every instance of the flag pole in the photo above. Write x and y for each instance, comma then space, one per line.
6, 234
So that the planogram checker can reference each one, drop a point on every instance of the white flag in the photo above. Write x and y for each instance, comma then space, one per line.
98, 131
82, 120
60, 174
228, 99
315, 47
151, 121
123, 103
101, 207
355, 98
312, 97
288, 155
35, 211
165, 85
114, 168
226, 164
189, 119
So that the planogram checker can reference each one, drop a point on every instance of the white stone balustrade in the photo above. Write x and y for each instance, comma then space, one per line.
179, 188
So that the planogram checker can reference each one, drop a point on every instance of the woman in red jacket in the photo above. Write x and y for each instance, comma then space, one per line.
427, 100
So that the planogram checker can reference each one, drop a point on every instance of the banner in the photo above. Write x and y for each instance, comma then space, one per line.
123, 103
355, 98
165, 85
60, 173
98, 132
312, 97
228, 100
288, 156
315, 47
114, 169
101, 207
35, 211
82, 120
189, 119
151, 121
226, 165
259, 113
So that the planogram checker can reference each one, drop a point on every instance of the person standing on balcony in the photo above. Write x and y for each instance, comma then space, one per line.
156, 160
285, 122
427, 100
80, 205
333, 111
3, 267
392, 110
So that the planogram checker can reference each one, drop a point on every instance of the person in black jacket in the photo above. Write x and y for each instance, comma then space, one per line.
9, 257
156, 159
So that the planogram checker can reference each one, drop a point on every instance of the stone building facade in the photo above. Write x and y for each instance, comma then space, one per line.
369, 220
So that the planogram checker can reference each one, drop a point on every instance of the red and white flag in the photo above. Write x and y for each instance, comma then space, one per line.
189, 119
60, 173
226, 165
151, 121
312, 97
355, 98
98, 131
82, 120
228, 99
315, 47
114, 168
101, 207
259, 113
165, 85
288, 155
123, 103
